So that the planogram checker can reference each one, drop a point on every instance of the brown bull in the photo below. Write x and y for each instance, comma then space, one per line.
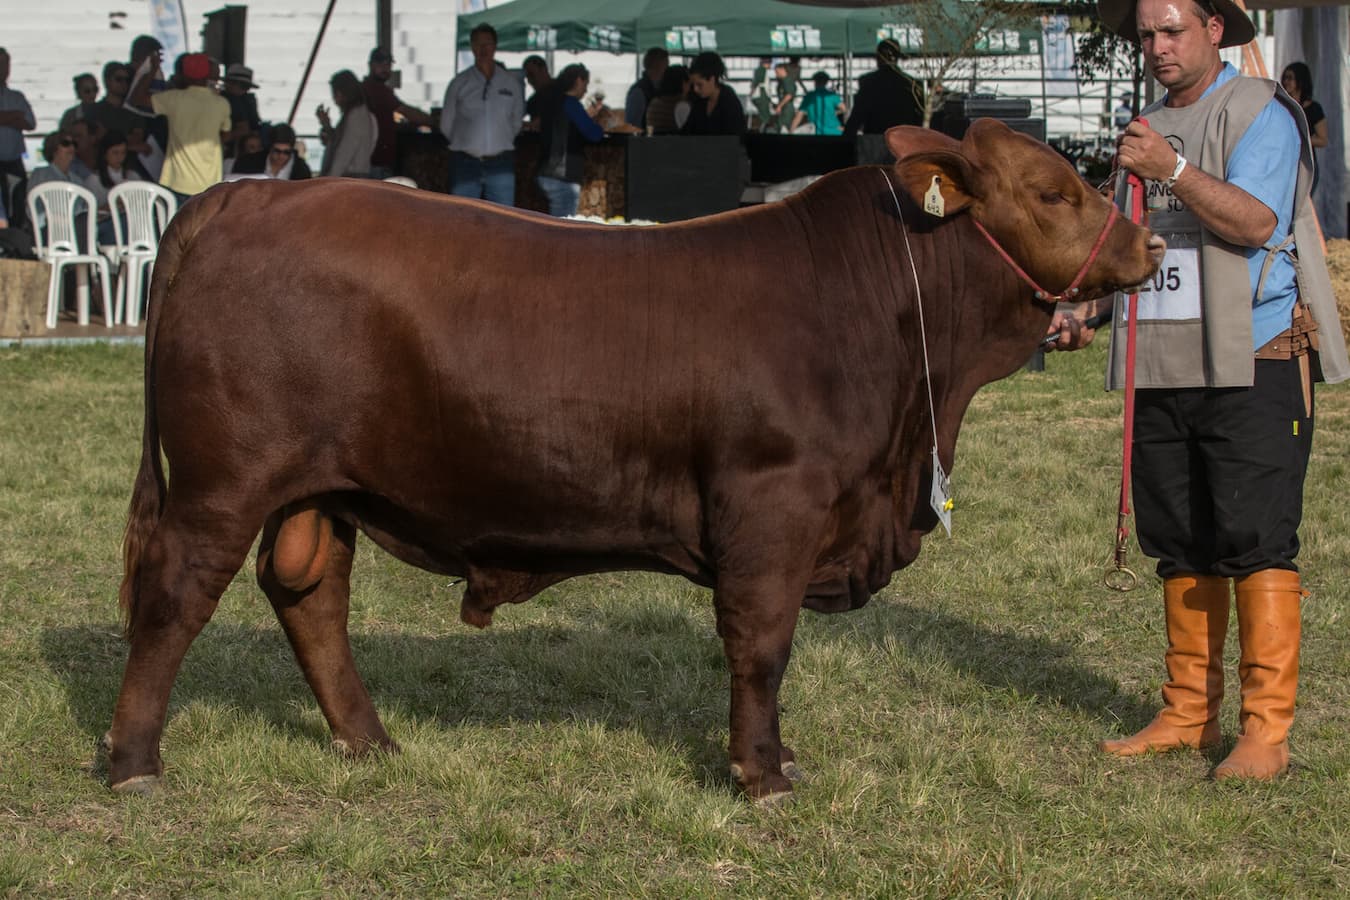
458, 382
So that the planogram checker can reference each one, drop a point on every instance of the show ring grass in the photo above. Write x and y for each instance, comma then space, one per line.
577, 747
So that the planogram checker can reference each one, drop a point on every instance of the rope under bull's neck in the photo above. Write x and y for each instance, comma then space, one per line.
918, 301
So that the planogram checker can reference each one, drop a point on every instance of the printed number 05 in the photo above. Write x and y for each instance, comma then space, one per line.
1167, 279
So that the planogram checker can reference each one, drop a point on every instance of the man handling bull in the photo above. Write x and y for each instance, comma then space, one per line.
1231, 335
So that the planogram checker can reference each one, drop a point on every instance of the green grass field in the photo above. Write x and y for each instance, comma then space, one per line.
578, 746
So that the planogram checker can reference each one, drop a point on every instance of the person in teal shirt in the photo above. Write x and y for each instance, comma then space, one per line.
822, 107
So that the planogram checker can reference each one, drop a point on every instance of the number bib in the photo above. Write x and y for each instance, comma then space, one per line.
1174, 290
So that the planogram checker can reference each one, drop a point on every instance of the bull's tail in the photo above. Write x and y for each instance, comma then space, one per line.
150, 490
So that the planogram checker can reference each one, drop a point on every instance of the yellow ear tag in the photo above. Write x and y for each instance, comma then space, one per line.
932, 201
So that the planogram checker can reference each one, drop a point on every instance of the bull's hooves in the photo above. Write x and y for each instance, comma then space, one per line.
138, 785
775, 800
792, 772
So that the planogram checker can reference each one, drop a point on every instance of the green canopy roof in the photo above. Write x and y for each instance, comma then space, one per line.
737, 27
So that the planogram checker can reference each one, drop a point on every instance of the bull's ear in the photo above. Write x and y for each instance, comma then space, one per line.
907, 140
937, 173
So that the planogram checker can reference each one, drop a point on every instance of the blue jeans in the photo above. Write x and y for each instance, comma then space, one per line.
563, 196
493, 178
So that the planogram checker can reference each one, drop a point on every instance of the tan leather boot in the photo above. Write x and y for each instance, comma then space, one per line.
1268, 629
1197, 621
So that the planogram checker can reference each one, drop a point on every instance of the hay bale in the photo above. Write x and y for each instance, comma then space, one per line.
23, 297
1338, 261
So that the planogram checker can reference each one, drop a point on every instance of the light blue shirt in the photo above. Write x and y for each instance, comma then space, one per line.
11, 139
1265, 165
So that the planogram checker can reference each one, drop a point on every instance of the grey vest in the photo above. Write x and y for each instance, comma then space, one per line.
1215, 349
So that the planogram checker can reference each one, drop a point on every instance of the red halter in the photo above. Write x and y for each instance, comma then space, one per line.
1072, 290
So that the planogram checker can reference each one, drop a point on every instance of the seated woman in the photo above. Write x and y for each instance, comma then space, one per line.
279, 161
669, 109
347, 148
715, 107
566, 127
115, 165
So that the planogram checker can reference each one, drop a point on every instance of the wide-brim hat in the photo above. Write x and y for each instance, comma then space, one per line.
240, 74
1118, 17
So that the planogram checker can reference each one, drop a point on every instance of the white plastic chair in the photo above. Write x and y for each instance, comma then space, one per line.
141, 210
53, 203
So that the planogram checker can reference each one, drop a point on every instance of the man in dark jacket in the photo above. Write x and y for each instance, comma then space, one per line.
279, 160
886, 97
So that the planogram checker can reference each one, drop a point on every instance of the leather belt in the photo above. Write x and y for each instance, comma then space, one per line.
1294, 343
1296, 340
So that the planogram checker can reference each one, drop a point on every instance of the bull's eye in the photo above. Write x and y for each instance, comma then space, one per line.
1050, 198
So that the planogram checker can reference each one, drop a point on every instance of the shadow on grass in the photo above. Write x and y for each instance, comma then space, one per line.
1028, 665
658, 673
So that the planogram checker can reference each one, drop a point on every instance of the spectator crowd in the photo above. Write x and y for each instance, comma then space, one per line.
199, 125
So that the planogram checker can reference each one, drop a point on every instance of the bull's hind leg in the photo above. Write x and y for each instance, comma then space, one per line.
185, 566
304, 566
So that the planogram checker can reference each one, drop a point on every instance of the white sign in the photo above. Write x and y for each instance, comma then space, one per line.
691, 38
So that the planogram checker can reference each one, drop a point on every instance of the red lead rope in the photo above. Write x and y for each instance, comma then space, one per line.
1121, 578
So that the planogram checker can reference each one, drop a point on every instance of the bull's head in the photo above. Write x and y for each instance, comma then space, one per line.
1030, 200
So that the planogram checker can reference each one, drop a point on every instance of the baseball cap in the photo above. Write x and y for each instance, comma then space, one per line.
195, 66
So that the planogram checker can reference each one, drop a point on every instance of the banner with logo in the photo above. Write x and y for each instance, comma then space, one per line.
168, 24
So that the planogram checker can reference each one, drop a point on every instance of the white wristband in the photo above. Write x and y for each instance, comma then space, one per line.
1176, 173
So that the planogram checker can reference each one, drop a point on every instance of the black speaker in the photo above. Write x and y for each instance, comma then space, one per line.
223, 34
1033, 127
669, 179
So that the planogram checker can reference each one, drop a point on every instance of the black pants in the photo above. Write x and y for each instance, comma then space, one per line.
1218, 473
14, 183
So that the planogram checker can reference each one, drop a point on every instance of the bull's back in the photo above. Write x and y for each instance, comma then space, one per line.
451, 354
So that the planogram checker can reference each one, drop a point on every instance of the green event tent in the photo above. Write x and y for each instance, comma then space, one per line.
742, 27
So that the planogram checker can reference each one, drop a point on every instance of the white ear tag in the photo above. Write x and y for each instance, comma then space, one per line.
933, 203
940, 498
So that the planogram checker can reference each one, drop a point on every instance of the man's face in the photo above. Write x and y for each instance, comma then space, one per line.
280, 154
118, 83
536, 75
704, 87
657, 71
79, 130
1180, 48
4, 67
87, 90
484, 48
381, 71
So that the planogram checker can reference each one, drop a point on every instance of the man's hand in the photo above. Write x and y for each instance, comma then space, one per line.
1144, 152
1069, 330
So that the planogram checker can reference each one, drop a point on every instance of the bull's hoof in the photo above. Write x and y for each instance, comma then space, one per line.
138, 785
363, 747
792, 772
776, 800
769, 790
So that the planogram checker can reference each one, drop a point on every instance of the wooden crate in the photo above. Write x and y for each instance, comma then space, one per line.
23, 297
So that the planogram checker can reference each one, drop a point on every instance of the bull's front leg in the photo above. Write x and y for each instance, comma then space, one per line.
756, 619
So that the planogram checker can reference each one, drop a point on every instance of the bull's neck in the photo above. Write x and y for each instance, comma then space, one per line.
977, 315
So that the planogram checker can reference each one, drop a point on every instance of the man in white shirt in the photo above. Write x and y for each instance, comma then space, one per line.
480, 117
